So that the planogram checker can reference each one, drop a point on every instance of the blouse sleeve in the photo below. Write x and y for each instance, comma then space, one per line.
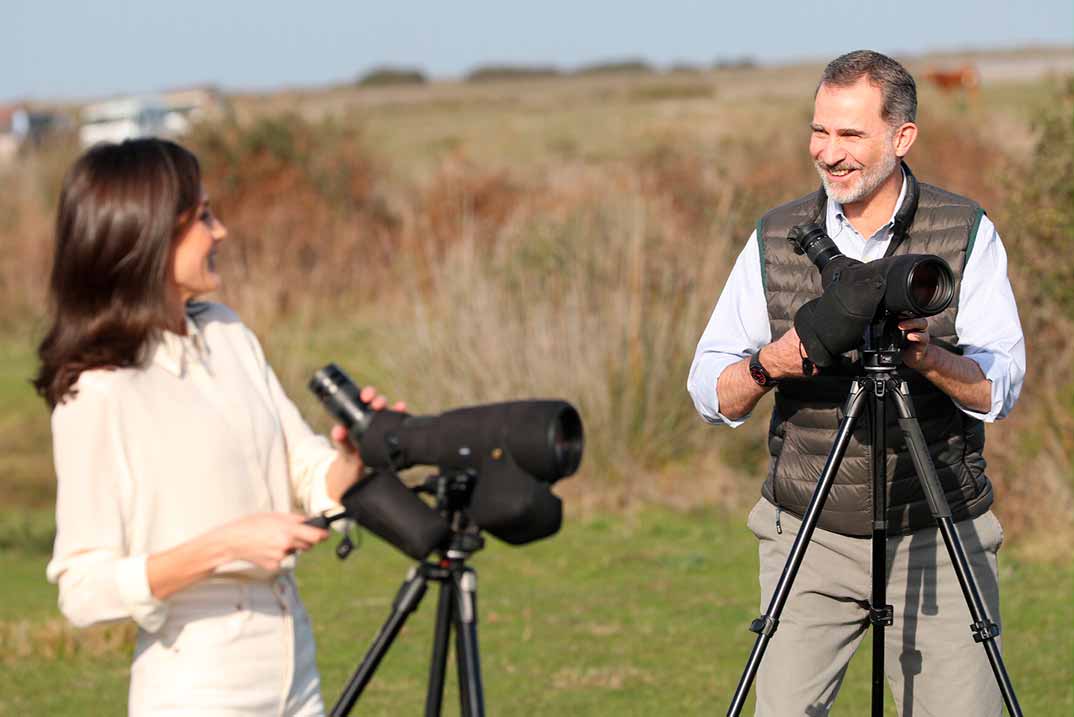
98, 579
309, 455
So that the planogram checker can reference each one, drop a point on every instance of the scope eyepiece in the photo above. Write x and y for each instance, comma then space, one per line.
813, 241
342, 398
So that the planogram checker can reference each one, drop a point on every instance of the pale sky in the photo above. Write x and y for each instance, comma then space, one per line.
80, 49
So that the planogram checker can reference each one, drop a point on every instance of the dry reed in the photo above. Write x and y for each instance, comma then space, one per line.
588, 280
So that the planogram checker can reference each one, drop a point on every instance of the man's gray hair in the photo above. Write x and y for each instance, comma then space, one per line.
895, 83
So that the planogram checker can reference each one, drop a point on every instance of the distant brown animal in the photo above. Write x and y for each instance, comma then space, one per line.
965, 79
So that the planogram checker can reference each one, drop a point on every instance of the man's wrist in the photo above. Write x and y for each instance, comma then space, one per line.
786, 358
929, 360
759, 371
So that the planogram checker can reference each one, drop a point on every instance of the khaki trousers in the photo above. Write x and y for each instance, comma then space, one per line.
934, 668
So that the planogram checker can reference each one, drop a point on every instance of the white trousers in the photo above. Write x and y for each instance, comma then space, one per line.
229, 647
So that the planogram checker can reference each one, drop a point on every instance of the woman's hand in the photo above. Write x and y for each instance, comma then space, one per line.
347, 468
265, 539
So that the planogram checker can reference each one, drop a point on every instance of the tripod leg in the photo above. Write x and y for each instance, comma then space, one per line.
880, 613
445, 611
765, 626
406, 601
471, 696
985, 631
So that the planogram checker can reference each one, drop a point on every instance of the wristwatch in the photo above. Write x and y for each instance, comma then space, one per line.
759, 374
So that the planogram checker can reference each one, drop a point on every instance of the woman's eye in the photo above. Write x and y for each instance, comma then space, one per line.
206, 217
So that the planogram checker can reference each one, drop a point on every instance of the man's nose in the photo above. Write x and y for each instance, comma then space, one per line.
832, 152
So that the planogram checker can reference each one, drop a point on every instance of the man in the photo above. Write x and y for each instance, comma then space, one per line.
964, 367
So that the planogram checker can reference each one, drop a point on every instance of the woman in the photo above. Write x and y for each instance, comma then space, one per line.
180, 461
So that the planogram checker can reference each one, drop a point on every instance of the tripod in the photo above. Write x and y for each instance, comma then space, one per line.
456, 608
880, 358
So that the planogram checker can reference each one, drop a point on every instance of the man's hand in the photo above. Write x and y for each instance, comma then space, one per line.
783, 357
915, 352
835, 322
957, 376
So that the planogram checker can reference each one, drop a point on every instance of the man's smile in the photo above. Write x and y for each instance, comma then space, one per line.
840, 171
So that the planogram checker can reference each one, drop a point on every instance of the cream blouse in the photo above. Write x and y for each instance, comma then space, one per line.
150, 457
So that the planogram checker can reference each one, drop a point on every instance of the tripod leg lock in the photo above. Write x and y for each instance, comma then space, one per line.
764, 625
984, 630
882, 616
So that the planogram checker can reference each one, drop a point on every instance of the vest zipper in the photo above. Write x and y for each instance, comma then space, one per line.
779, 525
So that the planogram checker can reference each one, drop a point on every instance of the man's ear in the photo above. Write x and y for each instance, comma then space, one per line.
903, 139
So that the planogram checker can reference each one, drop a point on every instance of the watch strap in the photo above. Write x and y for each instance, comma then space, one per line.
759, 373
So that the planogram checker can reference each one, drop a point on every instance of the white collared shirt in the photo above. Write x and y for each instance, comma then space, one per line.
987, 324
150, 457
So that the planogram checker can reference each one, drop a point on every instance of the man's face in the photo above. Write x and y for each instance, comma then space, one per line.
852, 147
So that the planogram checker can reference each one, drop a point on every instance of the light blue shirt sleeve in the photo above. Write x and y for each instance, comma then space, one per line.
738, 327
989, 331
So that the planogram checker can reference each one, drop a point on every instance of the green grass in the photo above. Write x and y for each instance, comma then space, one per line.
636, 614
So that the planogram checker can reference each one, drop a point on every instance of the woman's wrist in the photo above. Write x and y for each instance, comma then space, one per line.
342, 474
176, 568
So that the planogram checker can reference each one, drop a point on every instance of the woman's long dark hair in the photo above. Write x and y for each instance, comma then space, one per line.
120, 211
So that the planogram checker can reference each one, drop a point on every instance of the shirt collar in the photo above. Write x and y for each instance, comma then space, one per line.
174, 352
838, 219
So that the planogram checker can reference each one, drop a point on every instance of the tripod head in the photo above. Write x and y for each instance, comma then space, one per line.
881, 349
452, 492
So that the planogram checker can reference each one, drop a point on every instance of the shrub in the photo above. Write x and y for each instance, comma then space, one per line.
305, 210
392, 76
497, 73
629, 65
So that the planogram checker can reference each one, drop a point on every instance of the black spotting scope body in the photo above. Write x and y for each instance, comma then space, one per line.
514, 449
916, 285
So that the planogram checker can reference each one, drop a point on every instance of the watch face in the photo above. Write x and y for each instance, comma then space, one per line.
759, 376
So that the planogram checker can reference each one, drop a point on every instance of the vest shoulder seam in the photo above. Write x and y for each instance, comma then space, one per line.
760, 254
974, 228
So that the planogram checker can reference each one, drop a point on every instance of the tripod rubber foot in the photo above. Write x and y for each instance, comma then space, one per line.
984, 630
882, 616
764, 625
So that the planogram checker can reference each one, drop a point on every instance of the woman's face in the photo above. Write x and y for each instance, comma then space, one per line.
193, 261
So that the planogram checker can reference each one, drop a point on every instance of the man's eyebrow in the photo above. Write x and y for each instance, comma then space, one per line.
845, 132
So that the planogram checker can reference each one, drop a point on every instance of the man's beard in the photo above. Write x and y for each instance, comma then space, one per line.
869, 178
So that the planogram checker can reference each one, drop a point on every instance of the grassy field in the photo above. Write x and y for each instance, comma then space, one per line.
643, 613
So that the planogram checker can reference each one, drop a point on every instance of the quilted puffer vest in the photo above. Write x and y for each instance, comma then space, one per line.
807, 411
